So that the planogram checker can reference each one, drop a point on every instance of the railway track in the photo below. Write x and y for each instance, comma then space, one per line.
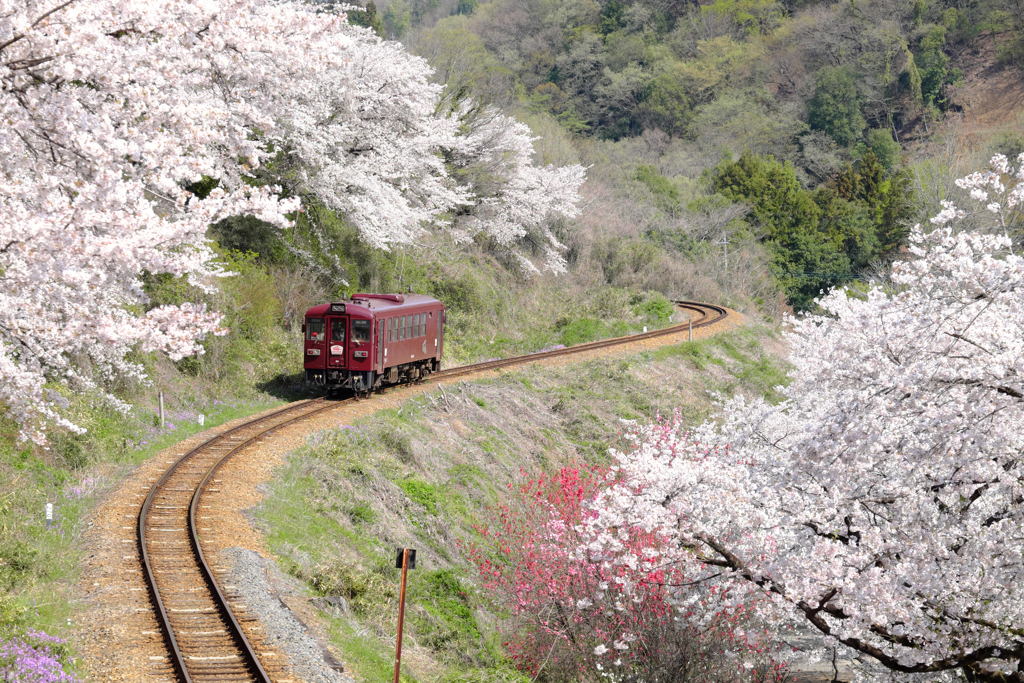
208, 633
710, 315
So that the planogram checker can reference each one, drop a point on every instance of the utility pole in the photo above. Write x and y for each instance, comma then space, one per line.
725, 249
405, 561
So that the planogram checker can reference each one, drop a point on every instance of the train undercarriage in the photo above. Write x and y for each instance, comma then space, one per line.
365, 382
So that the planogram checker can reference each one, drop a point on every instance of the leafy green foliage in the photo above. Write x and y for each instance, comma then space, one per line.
751, 17
422, 493
890, 199
445, 617
933, 64
652, 307
879, 142
665, 105
823, 237
367, 18
835, 106
665, 192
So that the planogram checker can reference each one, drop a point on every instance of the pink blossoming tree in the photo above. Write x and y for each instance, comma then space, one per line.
571, 619
883, 500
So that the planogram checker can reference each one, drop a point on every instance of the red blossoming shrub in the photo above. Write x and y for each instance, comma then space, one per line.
569, 617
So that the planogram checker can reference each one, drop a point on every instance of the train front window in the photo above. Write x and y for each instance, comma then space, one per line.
338, 330
315, 329
360, 330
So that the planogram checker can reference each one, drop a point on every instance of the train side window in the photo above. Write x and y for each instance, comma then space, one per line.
410, 324
389, 330
418, 324
401, 328
315, 329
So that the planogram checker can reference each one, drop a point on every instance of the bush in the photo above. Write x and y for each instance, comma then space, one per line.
881, 144
652, 307
532, 568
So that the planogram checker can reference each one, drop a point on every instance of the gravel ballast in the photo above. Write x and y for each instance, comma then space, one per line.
247, 573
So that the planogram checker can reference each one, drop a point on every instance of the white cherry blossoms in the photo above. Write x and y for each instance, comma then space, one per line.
883, 500
109, 108
988, 186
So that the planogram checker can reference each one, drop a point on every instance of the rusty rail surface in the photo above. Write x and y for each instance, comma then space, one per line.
201, 628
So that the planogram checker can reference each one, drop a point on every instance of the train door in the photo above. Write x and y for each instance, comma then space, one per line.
336, 343
380, 346
440, 333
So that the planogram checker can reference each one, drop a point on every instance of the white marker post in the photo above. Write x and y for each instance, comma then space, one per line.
201, 420
691, 329
49, 515
161, 410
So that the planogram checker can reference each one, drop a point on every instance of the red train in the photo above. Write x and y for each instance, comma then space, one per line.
371, 340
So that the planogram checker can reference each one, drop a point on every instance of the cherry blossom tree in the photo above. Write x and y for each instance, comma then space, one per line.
883, 500
111, 109
515, 198
661, 629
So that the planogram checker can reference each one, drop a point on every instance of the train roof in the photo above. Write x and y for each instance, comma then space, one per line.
370, 303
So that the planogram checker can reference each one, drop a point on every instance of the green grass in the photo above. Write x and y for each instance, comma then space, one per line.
339, 508
423, 494
39, 566
370, 662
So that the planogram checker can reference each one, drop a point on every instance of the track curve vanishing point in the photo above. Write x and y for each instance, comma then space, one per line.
201, 620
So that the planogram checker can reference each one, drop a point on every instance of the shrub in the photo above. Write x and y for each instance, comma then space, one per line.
532, 566
422, 493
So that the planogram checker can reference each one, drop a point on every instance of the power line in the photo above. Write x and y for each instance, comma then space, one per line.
823, 276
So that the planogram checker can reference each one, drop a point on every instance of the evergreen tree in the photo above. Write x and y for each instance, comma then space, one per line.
835, 106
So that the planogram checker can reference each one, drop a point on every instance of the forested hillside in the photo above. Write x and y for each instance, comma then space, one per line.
736, 137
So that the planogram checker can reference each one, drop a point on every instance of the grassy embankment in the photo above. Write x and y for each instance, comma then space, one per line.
421, 475
492, 313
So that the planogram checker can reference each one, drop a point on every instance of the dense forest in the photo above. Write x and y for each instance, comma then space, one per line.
763, 144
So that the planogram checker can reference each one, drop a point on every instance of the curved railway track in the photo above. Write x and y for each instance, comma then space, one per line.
202, 621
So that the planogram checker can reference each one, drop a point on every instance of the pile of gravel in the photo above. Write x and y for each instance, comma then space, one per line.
309, 659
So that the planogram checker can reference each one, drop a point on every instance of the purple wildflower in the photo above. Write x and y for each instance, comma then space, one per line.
33, 658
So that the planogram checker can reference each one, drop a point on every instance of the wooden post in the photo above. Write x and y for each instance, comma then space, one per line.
401, 613
161, 410
691, 329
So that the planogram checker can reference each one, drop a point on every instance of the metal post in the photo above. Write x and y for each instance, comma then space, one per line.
401, 613
691, 329
161, 410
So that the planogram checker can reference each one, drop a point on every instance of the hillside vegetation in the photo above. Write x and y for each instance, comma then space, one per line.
737, 146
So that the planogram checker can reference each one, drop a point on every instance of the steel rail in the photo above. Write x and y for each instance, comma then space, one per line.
249, 653
193, 532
